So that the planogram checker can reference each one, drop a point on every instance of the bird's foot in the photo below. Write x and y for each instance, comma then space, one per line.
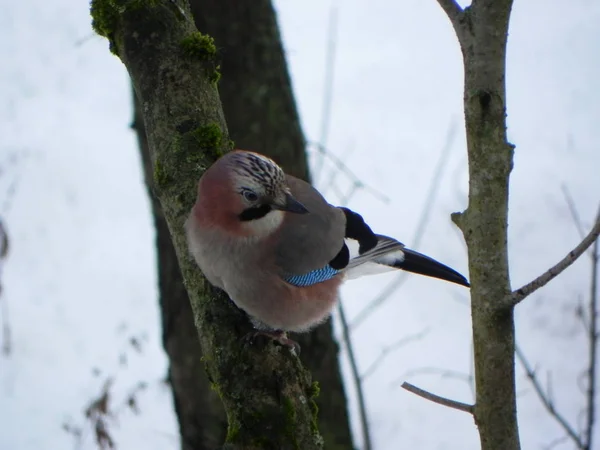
278, 336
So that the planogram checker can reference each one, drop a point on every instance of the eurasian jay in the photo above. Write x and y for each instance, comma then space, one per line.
280, 251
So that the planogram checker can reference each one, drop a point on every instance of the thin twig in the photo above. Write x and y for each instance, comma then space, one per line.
385, 351
335, 172
593, 350
556, 270
437, 399
6, 332
556, 442
432, 192
328, 89
342, 167
444, 373
356, 376
547, 402
573, 210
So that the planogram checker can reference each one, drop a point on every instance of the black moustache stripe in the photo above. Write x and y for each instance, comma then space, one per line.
256, 212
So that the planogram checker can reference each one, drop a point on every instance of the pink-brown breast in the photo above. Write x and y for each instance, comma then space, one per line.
286, 307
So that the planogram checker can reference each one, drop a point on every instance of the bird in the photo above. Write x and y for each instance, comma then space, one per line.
280, 251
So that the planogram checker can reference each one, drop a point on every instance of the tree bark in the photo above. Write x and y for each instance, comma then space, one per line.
482, 30
267, 394
200, 415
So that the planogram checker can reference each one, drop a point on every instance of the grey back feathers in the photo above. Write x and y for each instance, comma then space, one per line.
309, 241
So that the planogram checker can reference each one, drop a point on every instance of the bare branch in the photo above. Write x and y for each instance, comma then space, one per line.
593, 349
356, 377
556, 270
443, 373
437, 399
432, 192
556, 442
452, 9
547, 402
573, 211
342, 167
328, 90
385, 351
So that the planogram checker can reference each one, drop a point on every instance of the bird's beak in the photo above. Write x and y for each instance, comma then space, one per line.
290, 205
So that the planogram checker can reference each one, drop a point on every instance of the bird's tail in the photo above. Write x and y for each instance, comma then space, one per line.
424, 265
390, 254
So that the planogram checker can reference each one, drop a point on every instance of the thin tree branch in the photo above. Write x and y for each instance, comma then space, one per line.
443, 373
328, 90
573, 211
593, 350
452, 10
437, 399
556, 442
556, 270
342, 167
432, 192
367, 445
547, 402
385, 351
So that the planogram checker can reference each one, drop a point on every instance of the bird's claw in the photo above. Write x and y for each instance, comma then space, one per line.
278, 336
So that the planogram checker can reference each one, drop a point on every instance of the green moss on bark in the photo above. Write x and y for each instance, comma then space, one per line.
209, 137
198, 45
216, 75
107, 13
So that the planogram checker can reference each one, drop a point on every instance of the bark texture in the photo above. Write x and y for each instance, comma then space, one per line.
200, 415
482, 30
267, 394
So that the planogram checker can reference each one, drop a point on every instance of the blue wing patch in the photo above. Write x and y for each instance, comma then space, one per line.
312, 278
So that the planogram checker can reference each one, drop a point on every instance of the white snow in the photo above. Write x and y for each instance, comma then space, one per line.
79, 281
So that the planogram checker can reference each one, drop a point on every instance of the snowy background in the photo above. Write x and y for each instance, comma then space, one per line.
79, 283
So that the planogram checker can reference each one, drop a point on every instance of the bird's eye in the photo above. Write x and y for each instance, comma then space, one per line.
250, 196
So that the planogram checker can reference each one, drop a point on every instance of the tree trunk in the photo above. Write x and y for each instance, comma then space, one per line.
267, 394
482, 31
200, 414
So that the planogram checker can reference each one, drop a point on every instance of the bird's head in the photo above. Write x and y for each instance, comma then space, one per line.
246, 193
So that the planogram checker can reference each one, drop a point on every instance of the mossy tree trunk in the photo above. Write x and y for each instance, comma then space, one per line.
482, 31
267, 394
200, 415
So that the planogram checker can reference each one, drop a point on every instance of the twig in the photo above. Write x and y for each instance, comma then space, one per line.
356, 377
6, 332
444, 373
590, 324
548, 403
335, 172
556, 270
342, 167
593, 349
328, 89
556, 442
573, 210
437, 399
385, 351
434, 185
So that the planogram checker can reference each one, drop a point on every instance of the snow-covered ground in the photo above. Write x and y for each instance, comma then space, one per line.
79, 284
